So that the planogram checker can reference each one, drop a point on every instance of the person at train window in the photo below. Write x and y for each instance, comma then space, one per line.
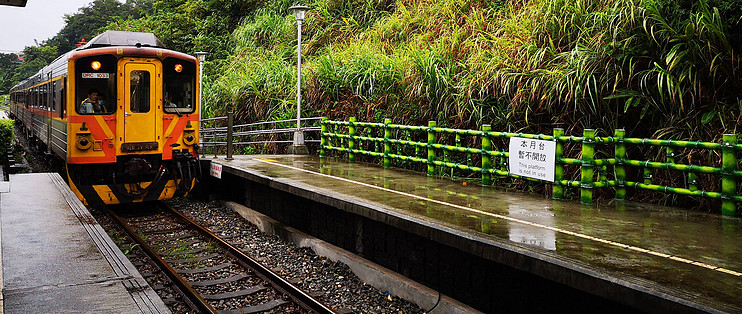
101, 103
86, 106
94, 103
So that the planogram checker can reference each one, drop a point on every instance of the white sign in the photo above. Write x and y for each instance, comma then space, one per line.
215, 170
532, 158
95, 75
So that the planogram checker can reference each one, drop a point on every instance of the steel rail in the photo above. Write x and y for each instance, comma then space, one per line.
302, 298
193, 298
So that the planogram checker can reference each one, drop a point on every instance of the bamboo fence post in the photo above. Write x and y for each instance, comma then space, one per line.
619, 168
670, 155
431, 150
351, 139
647, 176
557, 190
486, 149
728, 166
692, 181
387, 145
588, 153
323, 137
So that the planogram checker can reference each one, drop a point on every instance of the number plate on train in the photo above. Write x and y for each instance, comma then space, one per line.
95, 75
135, 147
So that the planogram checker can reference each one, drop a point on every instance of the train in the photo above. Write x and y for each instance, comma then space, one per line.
122, 113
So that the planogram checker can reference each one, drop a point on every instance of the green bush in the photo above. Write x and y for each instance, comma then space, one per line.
6, 132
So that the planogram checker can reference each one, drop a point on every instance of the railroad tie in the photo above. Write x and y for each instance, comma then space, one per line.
193, 259
203, 269
218, 281
256, 308
234, 294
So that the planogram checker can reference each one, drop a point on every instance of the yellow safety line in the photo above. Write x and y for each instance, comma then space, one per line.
567, 232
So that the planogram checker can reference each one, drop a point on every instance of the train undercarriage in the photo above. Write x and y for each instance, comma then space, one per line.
136, 178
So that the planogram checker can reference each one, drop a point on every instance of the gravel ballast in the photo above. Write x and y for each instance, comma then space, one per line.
333, 283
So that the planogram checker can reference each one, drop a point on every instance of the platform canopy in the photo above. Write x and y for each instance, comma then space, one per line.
15, 3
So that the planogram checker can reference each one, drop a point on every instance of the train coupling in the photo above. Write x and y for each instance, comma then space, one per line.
138, 166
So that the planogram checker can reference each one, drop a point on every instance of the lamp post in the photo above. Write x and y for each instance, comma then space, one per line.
201, 56
298, 148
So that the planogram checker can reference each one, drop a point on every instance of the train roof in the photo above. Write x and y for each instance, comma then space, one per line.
121, 38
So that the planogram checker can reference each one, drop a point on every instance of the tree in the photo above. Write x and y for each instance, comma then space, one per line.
89, 20
8, 64
87, 23
34, 58
192, 25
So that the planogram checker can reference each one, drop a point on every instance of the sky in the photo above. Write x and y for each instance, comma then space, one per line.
40, 20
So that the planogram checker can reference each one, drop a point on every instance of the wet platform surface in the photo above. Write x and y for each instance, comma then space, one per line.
57, 259
691, 257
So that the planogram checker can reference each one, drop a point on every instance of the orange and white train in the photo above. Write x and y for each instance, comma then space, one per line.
122, 112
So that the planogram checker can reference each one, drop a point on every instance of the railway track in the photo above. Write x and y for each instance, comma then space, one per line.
210, 274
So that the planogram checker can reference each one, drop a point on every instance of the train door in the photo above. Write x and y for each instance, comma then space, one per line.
139, 114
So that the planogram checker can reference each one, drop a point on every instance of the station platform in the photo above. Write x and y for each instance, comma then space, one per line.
56, 258
645, 257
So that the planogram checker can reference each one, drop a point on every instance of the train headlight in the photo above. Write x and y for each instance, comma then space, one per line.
188, 138
189, 134
95, 65
178, 68
83, 142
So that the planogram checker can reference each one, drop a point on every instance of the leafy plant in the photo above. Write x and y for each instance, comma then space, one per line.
6, 133
130, 249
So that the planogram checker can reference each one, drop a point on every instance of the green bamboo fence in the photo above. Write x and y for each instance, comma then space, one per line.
394, 143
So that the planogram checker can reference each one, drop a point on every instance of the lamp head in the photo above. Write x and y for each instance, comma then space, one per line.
299, 11
201, 56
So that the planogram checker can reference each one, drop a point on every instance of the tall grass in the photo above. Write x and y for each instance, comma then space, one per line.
522, 65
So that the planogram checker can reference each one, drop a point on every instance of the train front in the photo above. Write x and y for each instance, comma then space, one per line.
133, 110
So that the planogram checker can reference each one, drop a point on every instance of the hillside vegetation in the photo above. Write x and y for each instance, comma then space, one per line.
657, 68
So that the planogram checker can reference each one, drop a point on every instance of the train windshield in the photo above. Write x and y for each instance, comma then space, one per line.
95, 88
179, 86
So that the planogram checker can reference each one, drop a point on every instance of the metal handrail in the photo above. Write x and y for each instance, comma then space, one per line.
212, 119
278, 121
219, 136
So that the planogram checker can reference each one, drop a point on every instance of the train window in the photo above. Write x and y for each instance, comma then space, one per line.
63, 97
139, 91
53, 96
179, 86
45, 91
95, 84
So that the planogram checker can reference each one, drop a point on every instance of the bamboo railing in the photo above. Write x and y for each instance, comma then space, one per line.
422, 145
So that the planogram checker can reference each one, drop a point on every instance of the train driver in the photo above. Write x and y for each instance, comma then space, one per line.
93, 104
